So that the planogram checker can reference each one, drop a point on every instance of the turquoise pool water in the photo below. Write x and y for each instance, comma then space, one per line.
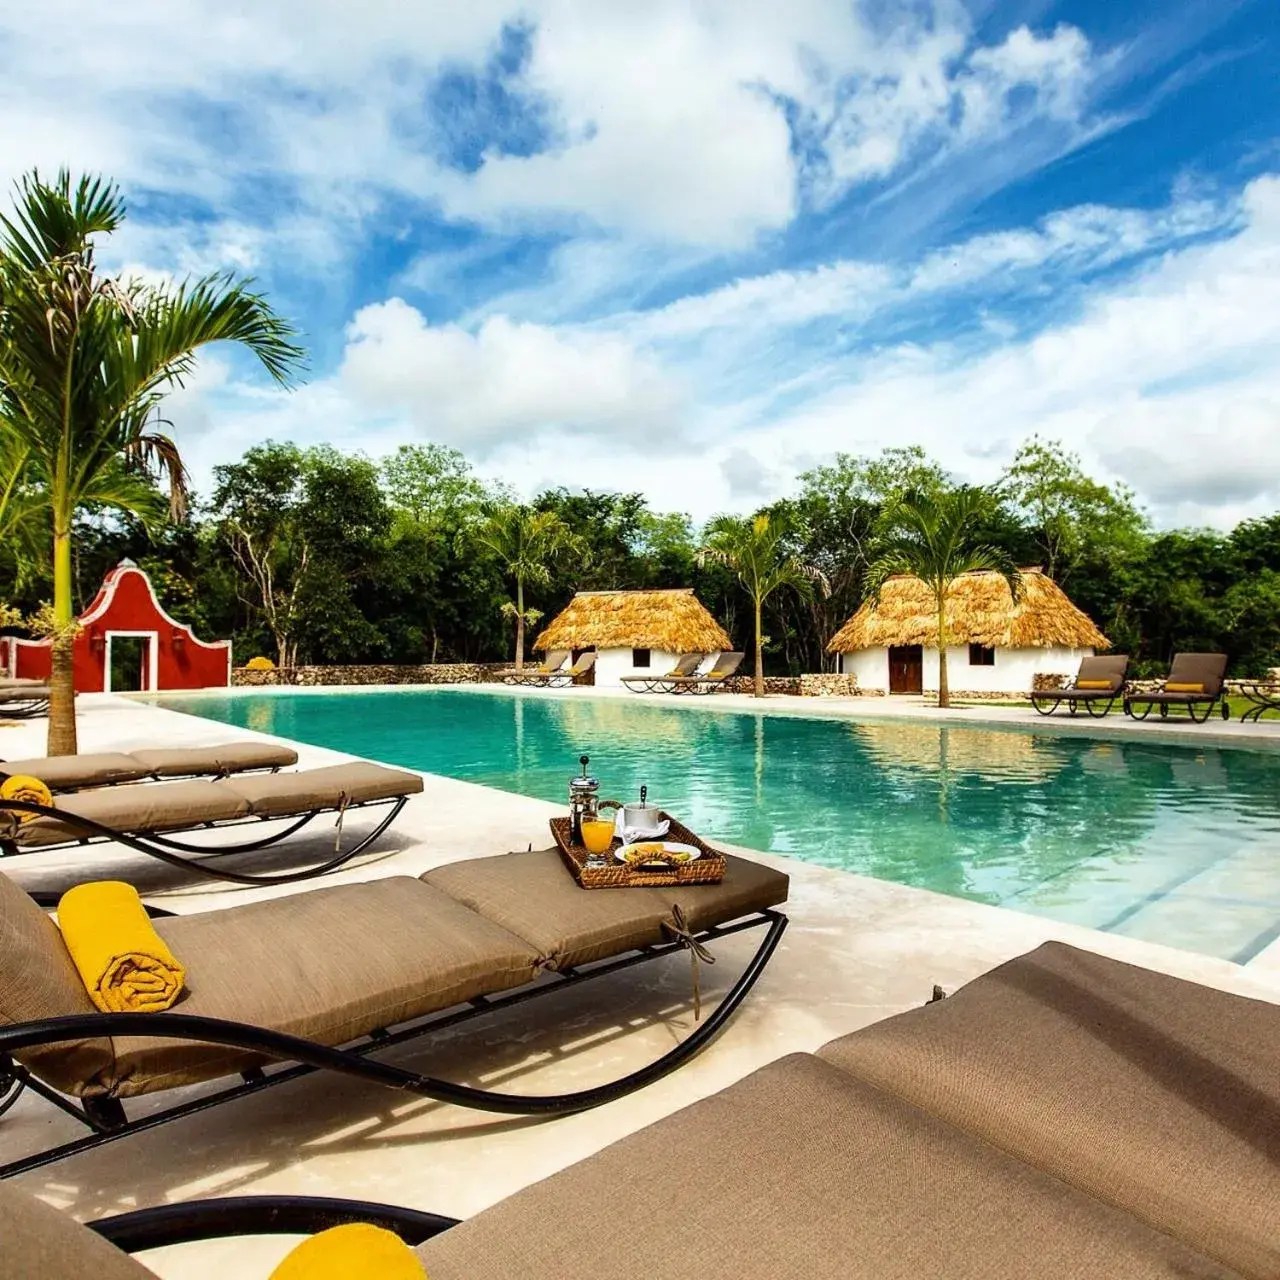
1179, 845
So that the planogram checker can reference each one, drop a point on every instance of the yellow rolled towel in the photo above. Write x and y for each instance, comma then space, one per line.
122, 961
357, 1251
21, 786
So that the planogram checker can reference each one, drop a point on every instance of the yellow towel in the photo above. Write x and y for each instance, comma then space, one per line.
1183, 687
357, 1251
21, 786
122, 961
1093, 684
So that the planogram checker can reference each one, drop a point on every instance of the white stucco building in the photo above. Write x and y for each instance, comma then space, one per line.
635, 633
999, 645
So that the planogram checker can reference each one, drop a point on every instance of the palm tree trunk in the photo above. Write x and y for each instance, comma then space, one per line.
944, 691
519, 624
759, 654
62, 688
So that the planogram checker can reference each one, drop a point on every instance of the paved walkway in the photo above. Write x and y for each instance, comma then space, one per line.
858, 950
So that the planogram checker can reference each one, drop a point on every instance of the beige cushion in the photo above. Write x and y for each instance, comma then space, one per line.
140, 807
39, 1242
1158, 1095
800, 1172
226, 757
326, 964
66, 773
282, 794
24, 692
534, 896
38, 981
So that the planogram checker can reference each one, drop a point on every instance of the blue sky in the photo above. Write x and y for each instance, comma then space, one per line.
573, 239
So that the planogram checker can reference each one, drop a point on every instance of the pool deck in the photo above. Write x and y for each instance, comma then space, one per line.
858, 950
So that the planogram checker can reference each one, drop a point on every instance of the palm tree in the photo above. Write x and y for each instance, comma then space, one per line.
757, 549
85, 362
527, 542
936, 538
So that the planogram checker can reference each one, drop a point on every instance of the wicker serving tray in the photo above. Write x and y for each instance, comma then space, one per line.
708, 869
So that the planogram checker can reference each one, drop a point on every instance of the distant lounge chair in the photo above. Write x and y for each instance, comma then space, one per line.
555, 659
725, 666
109, 769
23, 699
1194, 680
1097, 687
141, 815
566, 676
1064, 1115
317, 980
686, 666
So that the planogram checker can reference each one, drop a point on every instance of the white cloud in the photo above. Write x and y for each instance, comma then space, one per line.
505, 379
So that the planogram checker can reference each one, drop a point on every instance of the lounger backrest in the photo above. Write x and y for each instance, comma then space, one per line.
687, 665
1110, 666
726, 664
555, 659
585, 663
37, 981
1207, 669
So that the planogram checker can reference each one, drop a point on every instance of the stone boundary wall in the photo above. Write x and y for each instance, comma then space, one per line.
429, 673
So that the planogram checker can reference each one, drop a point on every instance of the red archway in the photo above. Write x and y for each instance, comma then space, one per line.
125, 612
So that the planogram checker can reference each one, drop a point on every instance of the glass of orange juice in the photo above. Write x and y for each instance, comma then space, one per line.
597, 835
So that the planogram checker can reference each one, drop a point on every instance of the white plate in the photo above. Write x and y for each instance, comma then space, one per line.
670, 846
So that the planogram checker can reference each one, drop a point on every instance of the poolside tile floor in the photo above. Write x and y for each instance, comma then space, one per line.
858, 950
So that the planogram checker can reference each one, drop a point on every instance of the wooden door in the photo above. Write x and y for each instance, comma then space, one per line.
906, 669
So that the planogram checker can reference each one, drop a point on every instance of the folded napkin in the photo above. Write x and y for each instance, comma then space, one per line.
357, 1251
629, 835
122, 961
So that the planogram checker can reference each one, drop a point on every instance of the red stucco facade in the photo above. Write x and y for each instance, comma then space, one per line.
126, 605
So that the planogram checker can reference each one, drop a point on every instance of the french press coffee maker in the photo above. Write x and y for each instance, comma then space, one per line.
584, 801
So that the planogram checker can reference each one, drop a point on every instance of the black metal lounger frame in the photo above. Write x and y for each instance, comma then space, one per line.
648, 684
23, 708
1056, 697
106, 1117
1263, 695
168, 850
1190, 701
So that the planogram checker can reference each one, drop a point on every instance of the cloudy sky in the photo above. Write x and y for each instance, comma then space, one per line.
693, 246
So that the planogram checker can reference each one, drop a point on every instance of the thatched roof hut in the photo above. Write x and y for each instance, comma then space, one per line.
673, 621
980, 611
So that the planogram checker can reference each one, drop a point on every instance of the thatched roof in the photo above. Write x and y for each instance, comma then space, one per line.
672, 621
980, 611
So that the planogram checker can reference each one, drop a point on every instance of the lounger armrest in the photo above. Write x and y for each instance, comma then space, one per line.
169, 1224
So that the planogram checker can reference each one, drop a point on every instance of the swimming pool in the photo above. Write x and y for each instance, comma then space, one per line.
1173, 844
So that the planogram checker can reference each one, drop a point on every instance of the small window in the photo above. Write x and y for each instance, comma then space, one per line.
981, 656
641, 657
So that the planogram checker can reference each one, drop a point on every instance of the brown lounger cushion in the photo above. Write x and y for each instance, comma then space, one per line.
38, 981
328, 964
24, 693
800, 1172
282, 794
1158, 1095
39, 1242
65, 773
534, 896
226, 757
141, 807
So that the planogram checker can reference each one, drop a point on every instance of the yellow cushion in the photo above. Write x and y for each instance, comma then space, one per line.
125, 965
356, 1251
1093, 684
22, 786
1179, 687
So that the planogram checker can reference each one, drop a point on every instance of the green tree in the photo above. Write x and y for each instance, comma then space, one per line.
936, 538
756, 548
85, 363
527, 543
431, 484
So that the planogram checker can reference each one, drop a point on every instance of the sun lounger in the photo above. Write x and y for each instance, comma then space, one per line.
686, 666
1097, 687
107, 769
566, 676
726, 665
23, 699
1065, 1115
555, 659
144, 816
1195, 680
317, 978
